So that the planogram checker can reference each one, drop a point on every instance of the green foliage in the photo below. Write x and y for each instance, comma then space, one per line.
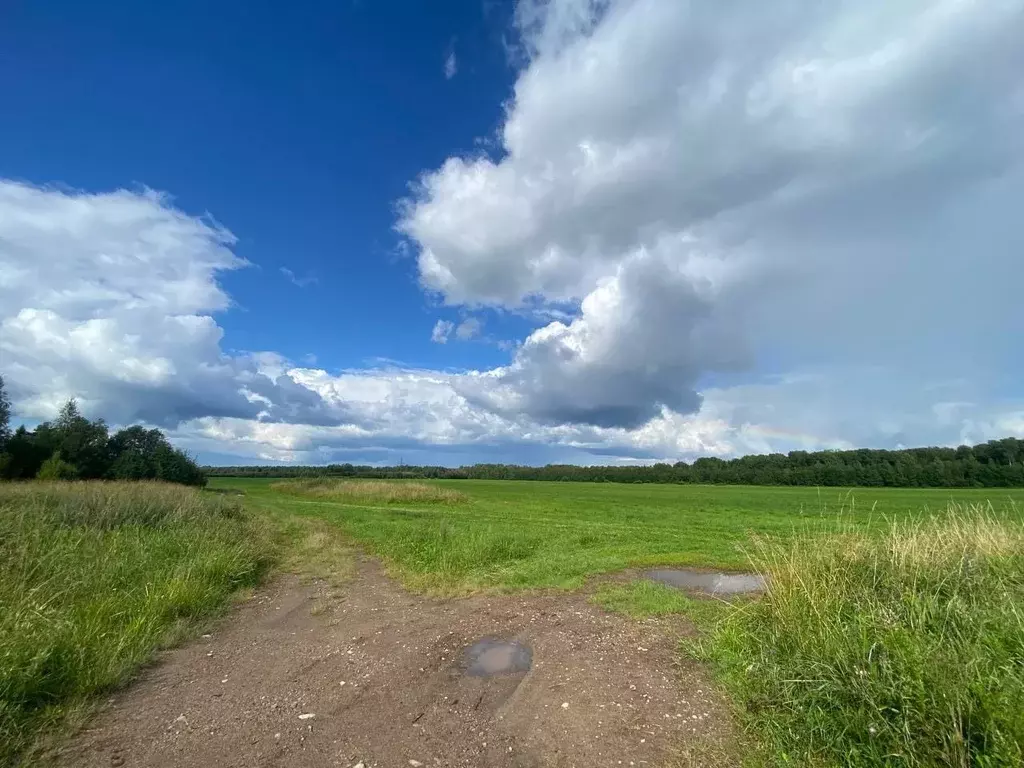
996, 464
904, 649
26, 453
95, 577
134, 453
5, 416
81, 442
174, 466
55, 468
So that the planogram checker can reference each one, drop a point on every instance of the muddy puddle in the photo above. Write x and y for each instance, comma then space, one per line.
710, 583
489, 657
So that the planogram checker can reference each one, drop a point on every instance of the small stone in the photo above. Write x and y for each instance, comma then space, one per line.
360, 764
224, 680
416, 764
307, 716
565, 705
277, 735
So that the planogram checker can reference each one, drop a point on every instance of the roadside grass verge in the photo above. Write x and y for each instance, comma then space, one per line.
900, 649
94, 578
371, 491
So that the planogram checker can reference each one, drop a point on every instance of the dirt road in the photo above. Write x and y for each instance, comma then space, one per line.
376, 675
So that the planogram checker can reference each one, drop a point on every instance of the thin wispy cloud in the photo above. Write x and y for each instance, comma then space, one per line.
451, 66
442, 330
301, 282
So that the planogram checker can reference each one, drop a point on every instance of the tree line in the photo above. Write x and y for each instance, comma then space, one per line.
71, 447
995, 464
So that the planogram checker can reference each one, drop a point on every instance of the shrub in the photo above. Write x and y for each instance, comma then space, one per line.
55, 468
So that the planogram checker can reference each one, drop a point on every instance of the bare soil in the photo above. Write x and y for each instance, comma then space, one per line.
303, 674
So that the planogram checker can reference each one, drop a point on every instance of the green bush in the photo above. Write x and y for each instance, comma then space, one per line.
900, 650
55, 468
95, 577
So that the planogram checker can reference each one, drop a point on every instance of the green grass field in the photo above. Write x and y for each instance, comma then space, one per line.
509, 534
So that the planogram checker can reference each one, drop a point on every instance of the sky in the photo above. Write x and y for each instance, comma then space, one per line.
587, 231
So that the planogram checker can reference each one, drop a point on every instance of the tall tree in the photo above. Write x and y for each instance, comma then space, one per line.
81, 442
5, 416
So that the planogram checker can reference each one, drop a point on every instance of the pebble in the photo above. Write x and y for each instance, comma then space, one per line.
416, 764
307, 716
565, 705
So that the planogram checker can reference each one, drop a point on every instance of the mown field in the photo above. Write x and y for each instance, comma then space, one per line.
519, 534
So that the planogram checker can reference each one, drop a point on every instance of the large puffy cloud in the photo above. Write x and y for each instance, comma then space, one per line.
422, 416
707, 182
112, 298
109, 298
739, 228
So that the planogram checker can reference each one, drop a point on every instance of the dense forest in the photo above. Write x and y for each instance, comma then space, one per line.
996, 464
72, 447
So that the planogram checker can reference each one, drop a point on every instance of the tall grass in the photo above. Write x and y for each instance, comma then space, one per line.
95, 577
904, 649
372, 491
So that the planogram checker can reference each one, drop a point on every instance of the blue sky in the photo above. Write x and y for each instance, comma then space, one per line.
298, 126
533, 231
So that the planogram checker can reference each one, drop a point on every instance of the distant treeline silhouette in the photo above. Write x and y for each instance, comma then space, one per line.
996, 464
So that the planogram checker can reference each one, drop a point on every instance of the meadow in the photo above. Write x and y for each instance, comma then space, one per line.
506, 534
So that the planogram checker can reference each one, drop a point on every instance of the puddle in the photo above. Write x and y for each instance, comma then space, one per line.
711, 583
497, 657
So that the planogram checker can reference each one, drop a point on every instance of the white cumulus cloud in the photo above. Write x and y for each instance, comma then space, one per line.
110, 298
734, 228
711, 182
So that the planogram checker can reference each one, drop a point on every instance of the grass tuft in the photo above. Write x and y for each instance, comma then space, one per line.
905, 648
371, 491
95, 577
644, 599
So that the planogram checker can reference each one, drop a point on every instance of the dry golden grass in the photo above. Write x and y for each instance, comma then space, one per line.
372, 491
